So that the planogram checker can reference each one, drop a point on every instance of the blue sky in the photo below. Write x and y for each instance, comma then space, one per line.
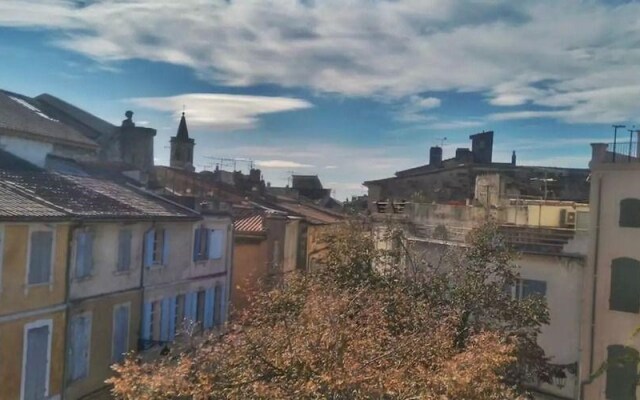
350, 91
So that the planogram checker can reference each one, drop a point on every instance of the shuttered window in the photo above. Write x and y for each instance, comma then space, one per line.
622, 373
524, 288
124, 250
630, 213
120, 342
79, 347
200, 306
40, 256
83, 253
156, 247
208, 308
625, 285
218, 305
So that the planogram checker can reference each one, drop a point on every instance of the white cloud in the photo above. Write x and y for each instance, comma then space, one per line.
413, 110
220, 111
562, 56
456, 124
281, 164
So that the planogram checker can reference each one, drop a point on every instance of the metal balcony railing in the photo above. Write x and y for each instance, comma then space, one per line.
622, 152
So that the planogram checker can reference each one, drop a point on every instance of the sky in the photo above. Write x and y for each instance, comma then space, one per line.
350, 90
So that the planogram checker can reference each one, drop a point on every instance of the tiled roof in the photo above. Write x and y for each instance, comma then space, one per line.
16, 206
249, 221
312, 213
24, 114
90, 197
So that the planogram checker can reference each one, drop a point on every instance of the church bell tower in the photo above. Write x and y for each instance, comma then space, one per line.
182, 148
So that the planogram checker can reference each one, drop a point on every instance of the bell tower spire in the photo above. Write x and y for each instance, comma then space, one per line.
182, 147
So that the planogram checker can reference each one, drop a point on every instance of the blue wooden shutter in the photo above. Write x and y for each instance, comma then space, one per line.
222, 317
172, 318
88, 261
216, 244
37, 350
191, 306
80, 253
196, 244
164, 320
146, 321
165, 247
124, 250
148, 248
120, 333
79, 351
208, 309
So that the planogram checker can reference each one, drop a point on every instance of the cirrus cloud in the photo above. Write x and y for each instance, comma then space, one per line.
556, 55
220, 111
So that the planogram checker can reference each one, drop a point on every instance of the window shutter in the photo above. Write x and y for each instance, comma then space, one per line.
37, 363
208, 309
164, 320
191, 306
216, 242
79, 351
630, 213
165, 247
622, 373
196, 244
120, 333
88, 261
146, 322
625, 285
148, 248
172, 318
40, 257
124, 250
222, 308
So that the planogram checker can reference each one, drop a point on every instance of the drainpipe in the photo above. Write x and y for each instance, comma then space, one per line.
67, 303
592, 327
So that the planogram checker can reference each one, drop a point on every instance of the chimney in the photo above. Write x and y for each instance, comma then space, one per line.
435, 156
482, 147
598, 153
513, 158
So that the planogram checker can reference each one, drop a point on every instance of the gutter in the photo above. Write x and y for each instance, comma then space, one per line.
67, 306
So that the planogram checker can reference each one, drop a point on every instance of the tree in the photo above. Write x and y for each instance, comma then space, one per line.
353, 331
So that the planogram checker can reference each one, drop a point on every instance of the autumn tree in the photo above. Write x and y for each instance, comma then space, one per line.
355, 331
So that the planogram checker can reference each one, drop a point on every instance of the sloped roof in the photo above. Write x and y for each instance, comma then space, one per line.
81, 119
94, 198
25, 115
251, 221
306, 182
16, 206
312, 213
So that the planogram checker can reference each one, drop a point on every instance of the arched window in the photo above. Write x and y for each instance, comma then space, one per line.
625, 285
622, 372
630, 213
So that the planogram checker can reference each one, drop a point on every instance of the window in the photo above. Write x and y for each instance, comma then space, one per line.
209, 308
40, 257
208, 244
156, 247
630, 213
625, 285
124, 250
155, 320
83, 252
622, 373
79, 345
36, 360
524, 288
200, 244
120, 340
168, 319
191, 306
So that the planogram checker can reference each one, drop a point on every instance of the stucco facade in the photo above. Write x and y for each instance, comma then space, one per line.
24, 306
604, 324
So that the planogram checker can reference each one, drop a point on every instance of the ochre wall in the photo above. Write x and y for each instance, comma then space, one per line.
250, 262
101, 310
12, 350
15, 296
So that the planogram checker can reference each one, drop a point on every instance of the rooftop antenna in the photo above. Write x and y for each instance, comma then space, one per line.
615, 137
442, 140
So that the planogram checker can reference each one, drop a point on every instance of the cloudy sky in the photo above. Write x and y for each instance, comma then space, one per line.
349, 90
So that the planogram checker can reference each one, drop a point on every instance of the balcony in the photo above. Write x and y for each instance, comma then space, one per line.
616, 152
